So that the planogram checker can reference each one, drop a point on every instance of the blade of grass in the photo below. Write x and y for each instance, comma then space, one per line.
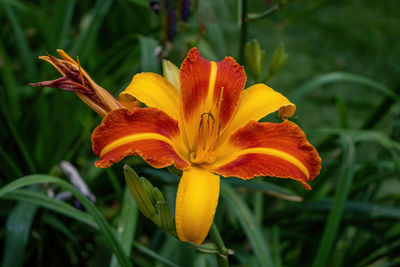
10, 90
114, 182
22, 43
153, 254
380, 252
249, 224
368, 136
380, 111
370, 210
90, 32
276, 246
68, 12
343, 114
18, 140
17, 232
57, 224
335, 216
268, 188
104, 227
51, 204
127, 225
149, 60
10, 162
342, 77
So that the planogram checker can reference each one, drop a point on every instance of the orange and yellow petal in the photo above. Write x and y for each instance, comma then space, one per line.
147, 132
196, 202
209, 87
195, 75
256, 102
154, 91
271, 149
231, 78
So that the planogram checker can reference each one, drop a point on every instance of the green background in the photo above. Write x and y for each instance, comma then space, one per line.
342, 73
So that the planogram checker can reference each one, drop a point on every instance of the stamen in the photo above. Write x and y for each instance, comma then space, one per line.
209, 131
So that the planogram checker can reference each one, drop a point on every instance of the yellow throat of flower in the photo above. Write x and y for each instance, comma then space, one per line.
209, 133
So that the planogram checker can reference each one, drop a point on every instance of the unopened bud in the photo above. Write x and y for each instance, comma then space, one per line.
171, 73
254, 57
278, 60
140, 195
166, 219
157, 195
148, 188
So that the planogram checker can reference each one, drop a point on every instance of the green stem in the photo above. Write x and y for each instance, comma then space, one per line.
242, 8
258, 207
265, 13
222, 257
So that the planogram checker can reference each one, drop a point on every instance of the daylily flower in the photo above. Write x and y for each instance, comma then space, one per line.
206, 125
74, 78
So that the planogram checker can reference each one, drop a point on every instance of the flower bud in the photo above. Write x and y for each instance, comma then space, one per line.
157, 195
148, 188
166, 219
140, 195
278, 60
254, 57
171, 73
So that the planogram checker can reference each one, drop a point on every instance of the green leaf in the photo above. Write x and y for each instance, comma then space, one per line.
153, 254
59, 225
51, 204
10, 90
104, 228
126, 225
149, 61
68, 12
270, 189
249, 224
18, 227
335, 216
91, 28
341, 77
22, 43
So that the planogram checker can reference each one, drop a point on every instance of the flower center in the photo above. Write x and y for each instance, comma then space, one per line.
209, 130
208, 140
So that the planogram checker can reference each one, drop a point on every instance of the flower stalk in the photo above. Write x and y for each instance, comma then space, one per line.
223, 252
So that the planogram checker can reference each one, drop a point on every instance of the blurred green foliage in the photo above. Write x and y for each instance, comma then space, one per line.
341, 72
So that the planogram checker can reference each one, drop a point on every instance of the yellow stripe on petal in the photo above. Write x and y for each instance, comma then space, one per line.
257, 102
196, 202
155, 91
147, 132
132, 138
211, 84
268, 149
231, 155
